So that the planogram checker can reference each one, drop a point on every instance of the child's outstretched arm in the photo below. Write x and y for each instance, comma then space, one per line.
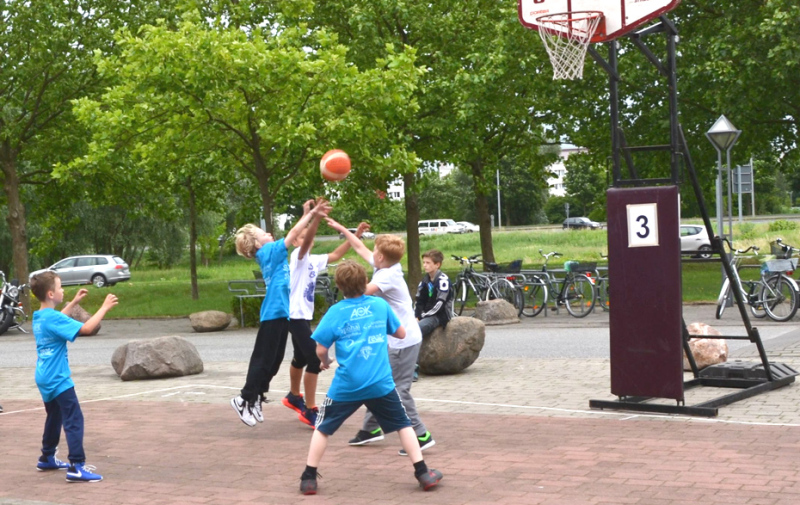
322, 209
89, 326
311, 231
355, 242
340, 251
80, 295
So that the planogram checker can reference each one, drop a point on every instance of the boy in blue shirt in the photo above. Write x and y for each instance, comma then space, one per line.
272, 256
359, 327
52, 330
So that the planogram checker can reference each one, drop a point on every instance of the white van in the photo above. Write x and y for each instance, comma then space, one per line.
438, 227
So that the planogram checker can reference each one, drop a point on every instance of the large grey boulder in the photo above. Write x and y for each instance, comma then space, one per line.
209, 320
171, 356
79, 314
454, 348
496, 312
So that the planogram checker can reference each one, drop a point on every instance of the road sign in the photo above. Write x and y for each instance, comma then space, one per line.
743, 174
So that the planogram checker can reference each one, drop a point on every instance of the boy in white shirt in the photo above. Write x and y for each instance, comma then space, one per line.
389, 283
304, 268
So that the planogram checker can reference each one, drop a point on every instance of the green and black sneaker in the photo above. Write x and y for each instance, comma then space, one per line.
366, 437
426, 441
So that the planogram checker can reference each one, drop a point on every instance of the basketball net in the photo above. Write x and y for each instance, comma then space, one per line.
566, 37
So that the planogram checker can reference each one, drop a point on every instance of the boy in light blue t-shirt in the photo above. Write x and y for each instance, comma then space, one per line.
359, 327
272, 256
52, 330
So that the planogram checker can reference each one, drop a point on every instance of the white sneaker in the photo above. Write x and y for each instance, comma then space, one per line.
257, 410
244, 410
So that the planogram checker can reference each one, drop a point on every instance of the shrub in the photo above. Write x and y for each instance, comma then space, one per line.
747, 231
782, 225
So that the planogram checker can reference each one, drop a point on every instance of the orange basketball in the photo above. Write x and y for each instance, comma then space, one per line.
334, 165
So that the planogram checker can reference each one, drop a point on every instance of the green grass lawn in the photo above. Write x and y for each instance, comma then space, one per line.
167, 293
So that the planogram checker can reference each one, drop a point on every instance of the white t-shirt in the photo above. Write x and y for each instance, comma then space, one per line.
303, 280
393, 289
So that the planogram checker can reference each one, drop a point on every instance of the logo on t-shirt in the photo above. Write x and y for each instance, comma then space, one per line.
308, 293
375, 339
366, 352
351, 329
360, 313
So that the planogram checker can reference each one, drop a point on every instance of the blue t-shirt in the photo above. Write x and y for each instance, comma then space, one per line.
273, 260
52, 330
358, 327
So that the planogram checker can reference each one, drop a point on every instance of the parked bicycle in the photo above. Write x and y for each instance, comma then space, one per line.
11, 313
471, 286
773, 294
326, 288
601, 286
575, 291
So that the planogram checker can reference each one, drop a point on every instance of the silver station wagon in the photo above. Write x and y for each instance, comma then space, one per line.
98, 269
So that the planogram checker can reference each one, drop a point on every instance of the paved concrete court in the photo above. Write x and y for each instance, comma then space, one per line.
511, 430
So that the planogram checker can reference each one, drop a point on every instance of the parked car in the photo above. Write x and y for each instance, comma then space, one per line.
367, 235
695, 238
438, 227
469, 227
98, 269
581, 223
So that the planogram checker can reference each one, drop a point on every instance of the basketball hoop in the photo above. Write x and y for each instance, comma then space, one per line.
566, 36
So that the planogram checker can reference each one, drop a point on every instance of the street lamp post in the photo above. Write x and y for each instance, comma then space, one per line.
723, 135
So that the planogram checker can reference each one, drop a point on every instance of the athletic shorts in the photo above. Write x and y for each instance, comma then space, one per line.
305, 348
388, 411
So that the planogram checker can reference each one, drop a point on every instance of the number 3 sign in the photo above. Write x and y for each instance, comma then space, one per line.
643, 225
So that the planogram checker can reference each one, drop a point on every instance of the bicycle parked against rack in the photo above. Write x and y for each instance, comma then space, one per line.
601, 285
472, 286
576, 291
773, 294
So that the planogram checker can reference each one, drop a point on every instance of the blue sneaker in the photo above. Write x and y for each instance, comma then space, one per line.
81, 472
295, 402
46, 463
309, 416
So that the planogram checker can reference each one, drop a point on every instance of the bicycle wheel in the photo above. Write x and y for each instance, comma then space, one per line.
779, 298
601, 287
723, 297
756, 307
464, 293
579, 296
534, 298
503, 289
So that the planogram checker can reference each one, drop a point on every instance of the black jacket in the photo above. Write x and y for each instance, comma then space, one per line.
435, 298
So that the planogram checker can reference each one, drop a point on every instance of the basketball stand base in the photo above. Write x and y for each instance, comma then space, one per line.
749, 378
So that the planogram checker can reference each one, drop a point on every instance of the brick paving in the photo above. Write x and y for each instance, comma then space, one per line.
509, 431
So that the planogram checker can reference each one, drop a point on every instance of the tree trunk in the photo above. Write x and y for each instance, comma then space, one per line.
192, 240
482, 208
16, 221
412, 233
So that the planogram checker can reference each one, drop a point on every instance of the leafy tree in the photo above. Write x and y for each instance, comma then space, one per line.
585, 184
47, 50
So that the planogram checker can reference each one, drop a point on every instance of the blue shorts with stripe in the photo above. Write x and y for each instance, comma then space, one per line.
388, 410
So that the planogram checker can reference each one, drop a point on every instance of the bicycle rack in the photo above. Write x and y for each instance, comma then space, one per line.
749, 379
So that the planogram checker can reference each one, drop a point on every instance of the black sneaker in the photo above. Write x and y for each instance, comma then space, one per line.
309, 486
429, 479
366, 437
426, 441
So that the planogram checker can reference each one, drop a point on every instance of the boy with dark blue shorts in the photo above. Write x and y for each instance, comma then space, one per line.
52, 330
359, 327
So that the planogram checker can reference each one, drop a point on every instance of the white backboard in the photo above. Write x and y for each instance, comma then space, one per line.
620, 16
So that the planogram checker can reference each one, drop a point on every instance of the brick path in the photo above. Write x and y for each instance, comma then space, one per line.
511, 431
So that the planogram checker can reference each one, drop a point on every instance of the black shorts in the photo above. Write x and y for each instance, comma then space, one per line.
305, 348
388, 411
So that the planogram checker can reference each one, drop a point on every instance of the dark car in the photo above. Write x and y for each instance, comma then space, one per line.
581, 223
